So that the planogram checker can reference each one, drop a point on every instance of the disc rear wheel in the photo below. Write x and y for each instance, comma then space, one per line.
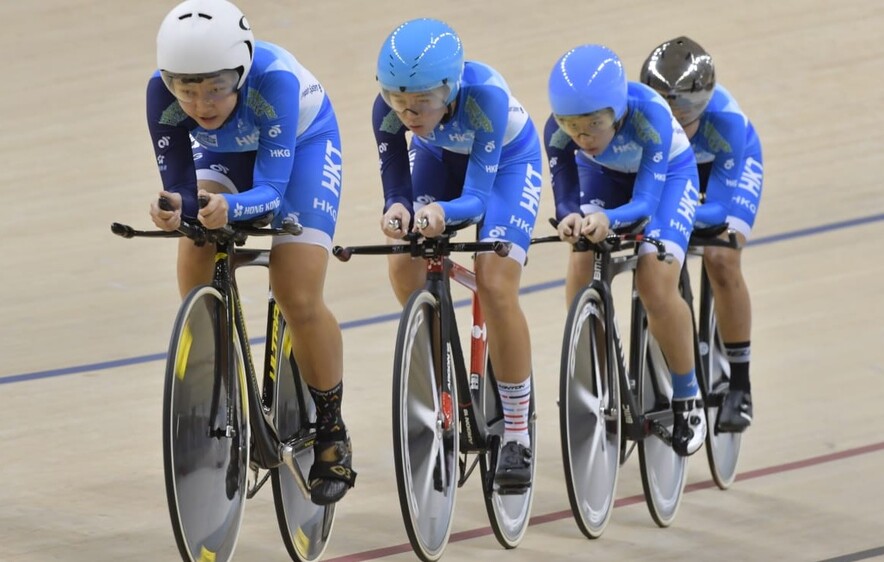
722, 449
663, 471
508, 513
305, 526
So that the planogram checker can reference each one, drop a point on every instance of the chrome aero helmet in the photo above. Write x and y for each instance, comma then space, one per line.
683, 73
587, 79
421, 55
205, 39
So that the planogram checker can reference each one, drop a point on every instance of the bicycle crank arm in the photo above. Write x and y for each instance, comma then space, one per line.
656, 428
287, 452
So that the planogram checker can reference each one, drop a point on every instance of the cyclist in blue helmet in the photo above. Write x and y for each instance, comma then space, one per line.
242, 123
731, 170
617, 155
474, 156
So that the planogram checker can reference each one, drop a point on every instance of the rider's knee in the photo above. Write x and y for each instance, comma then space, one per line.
722, 264
300, 306
657, 295
498, 282
406, 276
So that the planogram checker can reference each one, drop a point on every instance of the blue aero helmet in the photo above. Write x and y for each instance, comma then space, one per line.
421, 55
587, 79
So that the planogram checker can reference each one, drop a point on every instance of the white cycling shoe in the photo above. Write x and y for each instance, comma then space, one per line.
689, 430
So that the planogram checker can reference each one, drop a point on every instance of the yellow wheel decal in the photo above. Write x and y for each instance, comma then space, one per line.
183, 351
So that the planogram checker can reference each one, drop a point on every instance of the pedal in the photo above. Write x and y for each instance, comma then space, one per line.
513, 490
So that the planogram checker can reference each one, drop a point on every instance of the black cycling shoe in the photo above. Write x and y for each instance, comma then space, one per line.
332, 472
513, 468
735, 414
689, 430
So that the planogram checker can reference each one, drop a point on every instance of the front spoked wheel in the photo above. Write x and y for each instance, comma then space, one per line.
508, 513
305, 526
663, 471
722, 449
589, 414
205, 429
425, 437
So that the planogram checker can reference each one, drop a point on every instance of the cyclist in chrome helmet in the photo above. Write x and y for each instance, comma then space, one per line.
244, 125
474, 157
684, 74
731, 173
616, 156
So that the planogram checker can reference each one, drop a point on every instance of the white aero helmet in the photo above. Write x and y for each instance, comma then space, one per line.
205, 37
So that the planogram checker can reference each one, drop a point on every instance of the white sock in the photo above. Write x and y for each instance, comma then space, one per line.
515, 399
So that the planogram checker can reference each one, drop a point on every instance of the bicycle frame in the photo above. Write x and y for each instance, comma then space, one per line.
267, 450
279, 430
440, 271
699, 240
636, 426
427, 485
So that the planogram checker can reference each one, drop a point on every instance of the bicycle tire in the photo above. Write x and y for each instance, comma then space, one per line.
589, 414
663, 471
722, 449
205, 429
425, 439
305, 527
509, 514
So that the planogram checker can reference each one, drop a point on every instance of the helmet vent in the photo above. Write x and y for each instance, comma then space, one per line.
189, 15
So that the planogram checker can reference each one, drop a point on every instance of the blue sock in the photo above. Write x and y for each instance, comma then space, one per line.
685, 386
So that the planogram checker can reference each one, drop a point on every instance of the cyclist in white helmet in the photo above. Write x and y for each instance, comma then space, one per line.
242, 123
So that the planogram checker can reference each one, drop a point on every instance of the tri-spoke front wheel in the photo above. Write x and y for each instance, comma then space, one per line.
589, 414
425, 438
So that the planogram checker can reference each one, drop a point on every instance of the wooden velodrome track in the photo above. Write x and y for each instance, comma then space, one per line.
85, 316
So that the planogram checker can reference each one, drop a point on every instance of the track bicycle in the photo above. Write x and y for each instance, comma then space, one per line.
712, 366
608, 407
432, 442
224, 434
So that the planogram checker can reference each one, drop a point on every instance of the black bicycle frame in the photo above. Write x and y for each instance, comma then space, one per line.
265, 447
605, 268
267, 450
700, 239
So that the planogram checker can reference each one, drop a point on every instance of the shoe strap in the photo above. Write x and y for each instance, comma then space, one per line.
680, 406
